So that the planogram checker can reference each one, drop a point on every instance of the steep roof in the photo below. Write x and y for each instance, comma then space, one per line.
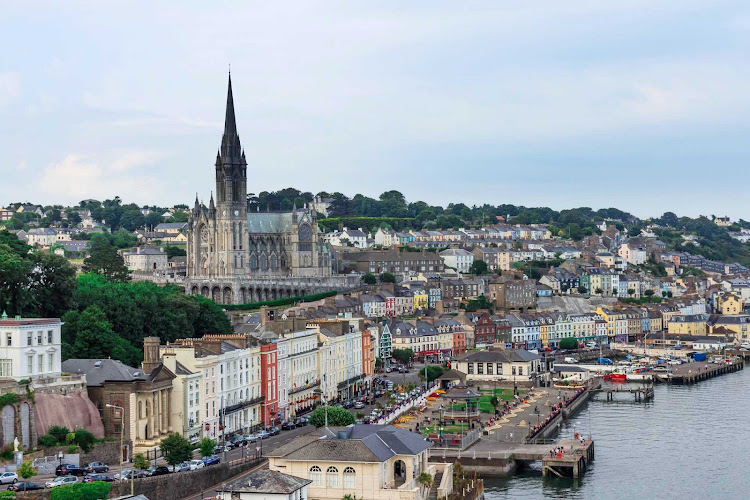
99, 371
268, 482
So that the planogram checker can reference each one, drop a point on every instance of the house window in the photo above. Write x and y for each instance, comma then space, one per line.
39, 338
471, 368
28, 339
489, 368
29, 365
6, 367
332, 477
116, 410
499, 368
480, 368
350, 478
40, 363
9, 338
520, 370
49, 336
316, 476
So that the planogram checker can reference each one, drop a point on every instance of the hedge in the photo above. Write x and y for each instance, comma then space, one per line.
8, 399
81, 491
280, 302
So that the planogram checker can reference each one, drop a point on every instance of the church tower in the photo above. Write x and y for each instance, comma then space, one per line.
231, 198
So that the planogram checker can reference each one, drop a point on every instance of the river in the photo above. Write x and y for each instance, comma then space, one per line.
689, 441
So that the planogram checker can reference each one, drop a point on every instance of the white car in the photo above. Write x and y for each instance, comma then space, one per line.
9, 478
60, 481
196, 464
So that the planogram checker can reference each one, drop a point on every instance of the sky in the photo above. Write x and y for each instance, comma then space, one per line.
640, 105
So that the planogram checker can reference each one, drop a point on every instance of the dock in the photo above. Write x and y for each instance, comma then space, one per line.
690, 373
567, 464
643, 393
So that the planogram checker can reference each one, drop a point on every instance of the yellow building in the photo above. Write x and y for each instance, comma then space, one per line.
371, 462
729, 303
687, 324
420, 299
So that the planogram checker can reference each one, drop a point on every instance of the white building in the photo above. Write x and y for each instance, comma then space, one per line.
384, 237
146, 259
457, 258
298, 375
239, 388
29, 347
348, 237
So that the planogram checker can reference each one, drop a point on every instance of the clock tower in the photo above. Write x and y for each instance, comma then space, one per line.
231, 198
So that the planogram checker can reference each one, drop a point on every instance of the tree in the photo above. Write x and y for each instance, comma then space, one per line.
494, 402
26, 470
103, 259
582, 289
403, 356
206, 446
425, 480
648, 293
478, 267
369, 279
140, 462
387, 278
599, 291
631, 291
173, 251
568, 343
176, 449
84, 439
430, 372
337, 417
89, 335
59, 432
51, 283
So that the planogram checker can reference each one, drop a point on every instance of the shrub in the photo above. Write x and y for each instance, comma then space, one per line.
26, 470
81, 491
337, 417
8, 399
48, 440
206, 446
140, 462
70, 438
73, 448
84, 439
568, 343
59, 432
7, 453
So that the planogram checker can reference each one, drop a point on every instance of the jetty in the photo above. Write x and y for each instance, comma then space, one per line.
642, 393
690, 373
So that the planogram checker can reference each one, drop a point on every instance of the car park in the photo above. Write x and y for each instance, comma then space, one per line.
25, 487
212, 460
196, 464
97, 477
8, 478
96, 467
60, 481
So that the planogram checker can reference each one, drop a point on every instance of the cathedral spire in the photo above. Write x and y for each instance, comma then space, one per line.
230, 124
231, 150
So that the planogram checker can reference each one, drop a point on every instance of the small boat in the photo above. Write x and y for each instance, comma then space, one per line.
618, 377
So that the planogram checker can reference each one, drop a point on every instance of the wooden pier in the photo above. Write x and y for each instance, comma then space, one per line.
570, 463
690, 373
643, 393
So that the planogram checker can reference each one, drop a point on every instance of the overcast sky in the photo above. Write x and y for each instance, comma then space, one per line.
640, 105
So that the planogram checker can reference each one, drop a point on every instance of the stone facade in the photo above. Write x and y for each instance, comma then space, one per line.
244, 254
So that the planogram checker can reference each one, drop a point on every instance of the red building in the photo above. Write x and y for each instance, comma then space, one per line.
269, 387
485, 330
368, 359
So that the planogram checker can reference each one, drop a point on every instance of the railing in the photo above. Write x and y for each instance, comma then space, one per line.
414, 483
244, 404
445, 488
305, 387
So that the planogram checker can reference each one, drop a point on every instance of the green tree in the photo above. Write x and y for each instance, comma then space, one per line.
582, 289
431, 372
648, 293
51, 282
59, 432
369, 279
89, 335
478, 267
631, 291
337, 417
176, 449
103, 259
206, 446
568, 343
26, 470
599, 291
403, 356
425, 480
140, 462
494, 402
387, 278
173, 251
95, 490
84, 439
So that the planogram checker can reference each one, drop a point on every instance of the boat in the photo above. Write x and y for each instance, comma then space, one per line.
618, 377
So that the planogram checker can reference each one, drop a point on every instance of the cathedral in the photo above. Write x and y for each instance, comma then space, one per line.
236, 257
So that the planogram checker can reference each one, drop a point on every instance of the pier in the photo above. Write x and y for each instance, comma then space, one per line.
643, 393
569, 464
690, 373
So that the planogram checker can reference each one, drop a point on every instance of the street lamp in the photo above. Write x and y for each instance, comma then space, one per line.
122, 432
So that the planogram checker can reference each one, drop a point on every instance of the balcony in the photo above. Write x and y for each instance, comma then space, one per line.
243, 404
305, 387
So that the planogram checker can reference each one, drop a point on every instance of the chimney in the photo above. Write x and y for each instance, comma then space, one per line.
150, 354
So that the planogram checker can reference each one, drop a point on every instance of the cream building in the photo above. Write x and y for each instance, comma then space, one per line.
369, 461
29, 347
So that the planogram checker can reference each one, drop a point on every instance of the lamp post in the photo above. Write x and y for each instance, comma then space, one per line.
122, 432
325, 403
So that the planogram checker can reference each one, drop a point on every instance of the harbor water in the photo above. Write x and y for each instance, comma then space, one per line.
688, 442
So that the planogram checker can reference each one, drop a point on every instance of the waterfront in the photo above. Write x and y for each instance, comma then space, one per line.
689, 440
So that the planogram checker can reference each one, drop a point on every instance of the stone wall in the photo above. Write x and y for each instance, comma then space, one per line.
186, 483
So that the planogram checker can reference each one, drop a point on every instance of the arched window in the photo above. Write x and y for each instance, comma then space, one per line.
332, 477
140, 409
350, 478
316, 476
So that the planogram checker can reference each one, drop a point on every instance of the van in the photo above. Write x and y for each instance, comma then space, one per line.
571, 360
591, 345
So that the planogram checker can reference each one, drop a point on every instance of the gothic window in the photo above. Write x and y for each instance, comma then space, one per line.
204, 234
263, 262
283, 261
273, 262
253, 262
305, 238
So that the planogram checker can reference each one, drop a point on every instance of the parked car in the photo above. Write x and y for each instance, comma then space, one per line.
97, 477
300, 422
569, 359
263, 434
196, 464
273, 431
212, 460
157, 470
251, 438
96, 467
8, 478
359, 405
238, 441
347, 404
124, 473
60, 481
72, 470
287, 425
25, 487
133, 474
59, 469
184, 466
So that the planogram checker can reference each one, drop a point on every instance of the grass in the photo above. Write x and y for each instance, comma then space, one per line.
484, 400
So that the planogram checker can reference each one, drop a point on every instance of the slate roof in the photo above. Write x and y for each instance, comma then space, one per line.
357, 443
268, 482
271, 222
515, 355
108, 370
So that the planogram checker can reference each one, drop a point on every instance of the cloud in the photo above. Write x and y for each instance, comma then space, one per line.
10, 86
77, 177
